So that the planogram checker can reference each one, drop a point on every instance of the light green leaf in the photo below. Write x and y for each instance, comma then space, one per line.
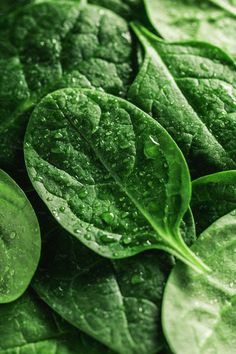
213, 21
199, 310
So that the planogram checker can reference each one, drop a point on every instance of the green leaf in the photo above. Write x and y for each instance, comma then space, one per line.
116, 302
57, 44
109, 173
19, 240
28, 326
130, 9
7, 6
189, 88
213, 197
212, 21
199, 310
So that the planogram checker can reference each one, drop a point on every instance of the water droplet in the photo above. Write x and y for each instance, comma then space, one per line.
108, 217
55, 214
107, 238
83, 193
87, 237
127, 239
137, 279
77, 231
151, 148
58, 135
204, 66
12, 235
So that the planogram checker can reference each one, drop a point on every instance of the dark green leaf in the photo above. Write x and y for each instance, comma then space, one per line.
7, 6
213, 21
28, 326
57, 44
19, 240
109, 173
213, 196
130, 9
199, 310
189, 88
116, 302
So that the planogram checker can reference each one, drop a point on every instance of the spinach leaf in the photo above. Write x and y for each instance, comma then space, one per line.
116, 302
28, 326
19, 240
213, 196
109, 173
130, 9
7, 6
190, 89
199, 310
57, 44
213, 21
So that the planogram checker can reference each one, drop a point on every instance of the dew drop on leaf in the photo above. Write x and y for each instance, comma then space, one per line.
151, 148
12, 235
137, 279
108, 217
107, 238
127, 239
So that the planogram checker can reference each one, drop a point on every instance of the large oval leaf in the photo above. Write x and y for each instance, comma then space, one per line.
109, 173
190, 89
199, 310
19, 240
213, 197
212, 21
28, 326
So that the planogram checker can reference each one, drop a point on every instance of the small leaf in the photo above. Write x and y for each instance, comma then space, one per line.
213, 197
19, 240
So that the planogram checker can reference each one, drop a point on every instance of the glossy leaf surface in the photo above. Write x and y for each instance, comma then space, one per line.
199, 309
211, 21
55, 44
189, 88
109, 173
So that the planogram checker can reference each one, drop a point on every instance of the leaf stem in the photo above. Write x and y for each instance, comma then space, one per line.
180, 250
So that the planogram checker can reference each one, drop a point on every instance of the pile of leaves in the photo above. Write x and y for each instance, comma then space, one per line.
118, 176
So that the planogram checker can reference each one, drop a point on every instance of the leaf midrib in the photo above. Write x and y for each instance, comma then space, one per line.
152, 223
